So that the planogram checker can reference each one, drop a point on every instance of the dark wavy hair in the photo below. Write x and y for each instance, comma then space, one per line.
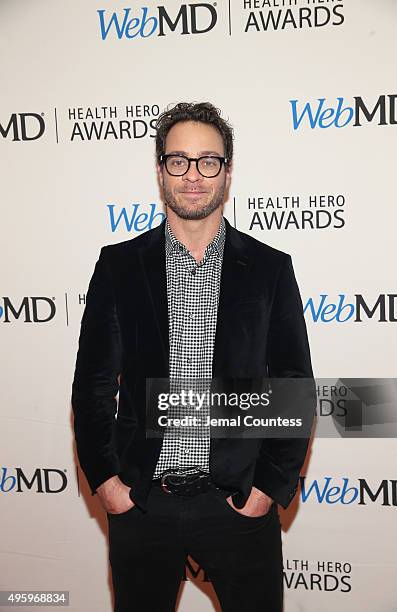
203, 112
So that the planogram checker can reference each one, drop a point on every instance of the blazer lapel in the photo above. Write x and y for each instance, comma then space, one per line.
155, 278
235, 285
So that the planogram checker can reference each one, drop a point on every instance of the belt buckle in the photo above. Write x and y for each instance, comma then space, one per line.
178, 472
163, 484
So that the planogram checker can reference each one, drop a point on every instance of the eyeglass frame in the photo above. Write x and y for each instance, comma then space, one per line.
163, 160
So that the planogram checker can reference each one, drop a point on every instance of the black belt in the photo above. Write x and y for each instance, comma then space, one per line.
179, 482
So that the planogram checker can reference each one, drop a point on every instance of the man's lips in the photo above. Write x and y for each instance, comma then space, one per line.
194, 193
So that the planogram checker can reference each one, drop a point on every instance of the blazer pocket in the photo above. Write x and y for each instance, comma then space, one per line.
249, 305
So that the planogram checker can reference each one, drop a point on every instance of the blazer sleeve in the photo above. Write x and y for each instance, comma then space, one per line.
96, 384
288, 356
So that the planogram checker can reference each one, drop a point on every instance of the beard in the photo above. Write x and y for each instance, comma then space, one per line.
201, 211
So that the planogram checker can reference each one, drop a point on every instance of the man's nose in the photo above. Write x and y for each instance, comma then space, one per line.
192, 174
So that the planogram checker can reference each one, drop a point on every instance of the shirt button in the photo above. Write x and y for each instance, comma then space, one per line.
193, 271
189, 359
191, 316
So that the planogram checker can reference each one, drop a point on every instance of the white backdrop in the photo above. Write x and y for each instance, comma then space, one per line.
81, 87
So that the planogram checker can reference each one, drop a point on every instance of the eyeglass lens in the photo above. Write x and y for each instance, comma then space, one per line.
207, 166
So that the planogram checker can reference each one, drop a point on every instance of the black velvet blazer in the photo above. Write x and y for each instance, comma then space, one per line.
124, 340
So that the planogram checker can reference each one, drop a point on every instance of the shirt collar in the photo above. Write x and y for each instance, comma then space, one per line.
173, 245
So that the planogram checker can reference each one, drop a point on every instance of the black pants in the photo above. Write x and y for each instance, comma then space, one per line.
241, 555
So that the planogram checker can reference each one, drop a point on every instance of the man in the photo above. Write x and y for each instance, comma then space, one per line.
191, 298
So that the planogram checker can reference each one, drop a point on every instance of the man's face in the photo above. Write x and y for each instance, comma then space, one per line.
193, 196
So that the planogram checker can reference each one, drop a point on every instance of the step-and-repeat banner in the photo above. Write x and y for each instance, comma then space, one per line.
309, 87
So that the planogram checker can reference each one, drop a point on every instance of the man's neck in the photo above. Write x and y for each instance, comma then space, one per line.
195, 234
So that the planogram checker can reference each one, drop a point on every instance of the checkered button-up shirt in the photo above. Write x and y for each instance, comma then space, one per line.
193, 294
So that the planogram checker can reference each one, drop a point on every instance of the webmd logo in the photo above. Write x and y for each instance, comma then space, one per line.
23, 127
329, 490
40, 480
189, 19
323, 114
135, 218
328, 309
37, 309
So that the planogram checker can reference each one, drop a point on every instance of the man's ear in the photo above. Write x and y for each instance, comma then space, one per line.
228, 172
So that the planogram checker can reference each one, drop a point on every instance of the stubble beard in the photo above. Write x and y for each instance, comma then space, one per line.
201, 212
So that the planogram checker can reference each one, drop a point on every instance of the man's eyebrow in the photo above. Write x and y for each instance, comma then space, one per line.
211, 153
200, 153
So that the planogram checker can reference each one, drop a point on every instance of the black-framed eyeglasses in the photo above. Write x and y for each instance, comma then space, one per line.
208, 166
